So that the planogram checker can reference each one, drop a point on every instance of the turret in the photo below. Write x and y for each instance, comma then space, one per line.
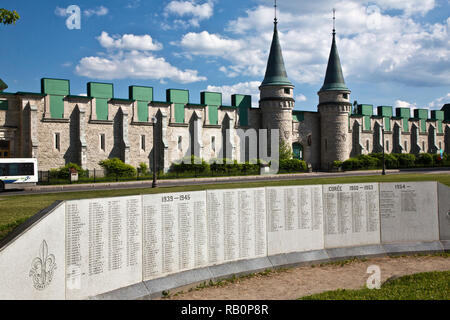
276, 93
334, 108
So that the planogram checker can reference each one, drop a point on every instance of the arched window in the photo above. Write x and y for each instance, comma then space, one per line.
180, 143
367, 145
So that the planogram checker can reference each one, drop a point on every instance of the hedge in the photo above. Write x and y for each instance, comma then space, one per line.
395, 161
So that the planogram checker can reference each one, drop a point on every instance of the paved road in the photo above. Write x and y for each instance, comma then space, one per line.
206, 181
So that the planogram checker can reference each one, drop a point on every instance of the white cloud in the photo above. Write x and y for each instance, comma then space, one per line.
300, 97
129, 57
99, 11
404, 104
207, 44
129, 42
374, 45
134, 64
247, 88
439, 102
246, 57
197, 12
133, 4
61, 12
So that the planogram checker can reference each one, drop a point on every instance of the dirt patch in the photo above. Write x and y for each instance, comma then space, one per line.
306, 280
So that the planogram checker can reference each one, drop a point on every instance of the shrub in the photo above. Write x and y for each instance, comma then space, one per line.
190, 164
292, 165
337, 164
143, 168
424, 159
64, 172
391, 161
406, 160
369, 161
352, 164
116, 167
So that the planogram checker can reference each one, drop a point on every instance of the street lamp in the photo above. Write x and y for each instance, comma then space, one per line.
384, 164
154, 121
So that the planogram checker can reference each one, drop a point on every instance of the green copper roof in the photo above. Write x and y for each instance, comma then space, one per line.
334, 80
3, 86
275, 73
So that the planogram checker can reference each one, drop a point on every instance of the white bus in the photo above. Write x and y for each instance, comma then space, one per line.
17, 173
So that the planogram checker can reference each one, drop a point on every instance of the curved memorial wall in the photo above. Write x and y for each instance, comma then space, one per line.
137, 246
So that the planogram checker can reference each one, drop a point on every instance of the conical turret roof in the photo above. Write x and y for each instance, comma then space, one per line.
3, 86
276, 72
334, 79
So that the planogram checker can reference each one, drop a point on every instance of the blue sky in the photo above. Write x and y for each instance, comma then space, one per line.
393, 52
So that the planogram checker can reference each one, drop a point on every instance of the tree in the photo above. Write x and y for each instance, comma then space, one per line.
285, 151
8, 17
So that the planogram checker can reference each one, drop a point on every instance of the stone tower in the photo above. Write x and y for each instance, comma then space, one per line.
276, 94
334, 109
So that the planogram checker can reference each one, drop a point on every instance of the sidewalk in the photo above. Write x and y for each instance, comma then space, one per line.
170, 182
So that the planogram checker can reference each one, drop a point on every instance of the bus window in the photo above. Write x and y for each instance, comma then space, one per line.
16, 169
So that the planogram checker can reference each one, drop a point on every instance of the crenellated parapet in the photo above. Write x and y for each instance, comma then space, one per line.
55, 95
405, 131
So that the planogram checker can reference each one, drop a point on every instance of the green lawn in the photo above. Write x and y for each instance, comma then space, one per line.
420, 286
16, 209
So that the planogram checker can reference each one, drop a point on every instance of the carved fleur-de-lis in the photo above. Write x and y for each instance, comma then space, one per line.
42, 268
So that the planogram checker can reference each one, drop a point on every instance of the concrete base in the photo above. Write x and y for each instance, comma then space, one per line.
446, 245
413, 247
153, 289
191, 277
350, 252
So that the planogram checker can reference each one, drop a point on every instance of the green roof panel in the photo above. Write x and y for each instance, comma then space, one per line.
58, 87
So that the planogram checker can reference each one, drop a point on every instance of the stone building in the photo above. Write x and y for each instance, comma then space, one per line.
57, 128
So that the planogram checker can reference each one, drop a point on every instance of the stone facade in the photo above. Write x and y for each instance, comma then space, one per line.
332, 133
57, 128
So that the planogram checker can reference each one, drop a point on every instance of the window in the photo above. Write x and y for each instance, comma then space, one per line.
287, 91
180, 143
213, 144
423, 146
142, 142
102, 142
440, 145
406, 146
16, 169
387, 145
367, 145
57, 141
4, 149
345, 96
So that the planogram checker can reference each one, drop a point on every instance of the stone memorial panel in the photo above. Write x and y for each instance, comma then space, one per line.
295, 219
175, 233
236, 224
32, 267
409, 212
103, 245
351, 215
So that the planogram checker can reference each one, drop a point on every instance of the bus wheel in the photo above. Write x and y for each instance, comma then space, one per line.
2, 186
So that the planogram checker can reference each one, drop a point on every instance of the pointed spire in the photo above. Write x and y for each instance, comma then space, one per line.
3, 86
334, 79
275, 72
